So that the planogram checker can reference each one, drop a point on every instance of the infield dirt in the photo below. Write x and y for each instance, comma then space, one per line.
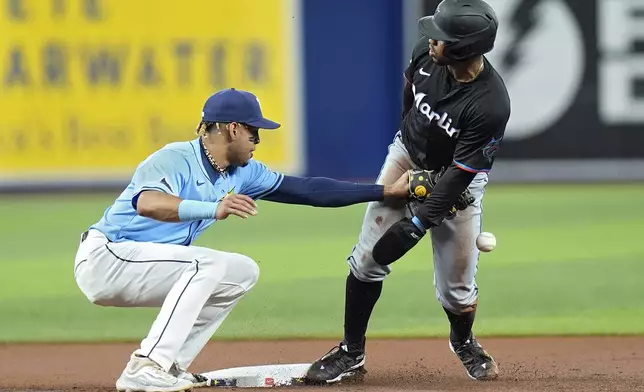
526, 364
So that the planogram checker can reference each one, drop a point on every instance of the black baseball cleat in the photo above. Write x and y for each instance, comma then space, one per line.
337, 365
479, 364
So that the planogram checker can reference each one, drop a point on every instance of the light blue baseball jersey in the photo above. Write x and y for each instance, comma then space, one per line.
180, 169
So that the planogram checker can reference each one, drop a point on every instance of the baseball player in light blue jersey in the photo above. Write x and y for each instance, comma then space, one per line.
140, 253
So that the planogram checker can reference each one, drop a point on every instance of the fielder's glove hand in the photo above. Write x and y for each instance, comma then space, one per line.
422, 183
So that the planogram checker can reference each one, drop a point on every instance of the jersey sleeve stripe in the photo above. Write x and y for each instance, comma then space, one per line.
153, 188
470, 169
135, 197
150, 188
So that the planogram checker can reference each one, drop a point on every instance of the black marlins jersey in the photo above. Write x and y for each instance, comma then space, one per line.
451, 122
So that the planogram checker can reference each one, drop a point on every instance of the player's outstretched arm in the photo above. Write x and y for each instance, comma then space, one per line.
327, 192
169, 208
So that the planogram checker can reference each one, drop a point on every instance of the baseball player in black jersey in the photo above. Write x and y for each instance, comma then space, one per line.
456, 108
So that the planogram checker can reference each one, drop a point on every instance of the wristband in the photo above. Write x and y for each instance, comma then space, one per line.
416, 221
190, 210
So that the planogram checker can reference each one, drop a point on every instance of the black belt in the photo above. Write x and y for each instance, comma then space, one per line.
86, 233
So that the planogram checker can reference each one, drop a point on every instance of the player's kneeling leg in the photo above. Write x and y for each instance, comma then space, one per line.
236, 278
194, 300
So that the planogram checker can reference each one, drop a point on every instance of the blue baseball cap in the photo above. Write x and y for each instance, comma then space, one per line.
232, 105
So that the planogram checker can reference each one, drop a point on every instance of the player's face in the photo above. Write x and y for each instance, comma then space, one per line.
436, 52
245, 139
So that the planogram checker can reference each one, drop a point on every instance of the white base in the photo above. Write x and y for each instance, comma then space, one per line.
259, 376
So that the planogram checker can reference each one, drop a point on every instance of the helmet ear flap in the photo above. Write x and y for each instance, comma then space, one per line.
457, 52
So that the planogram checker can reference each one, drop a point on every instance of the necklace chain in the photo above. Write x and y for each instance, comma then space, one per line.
212, 160
478, 72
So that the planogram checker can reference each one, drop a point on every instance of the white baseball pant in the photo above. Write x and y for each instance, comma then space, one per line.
195, 287
453, 242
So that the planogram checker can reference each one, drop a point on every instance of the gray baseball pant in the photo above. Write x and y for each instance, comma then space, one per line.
453, 242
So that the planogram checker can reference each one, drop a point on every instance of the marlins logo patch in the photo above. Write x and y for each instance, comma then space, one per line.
490, 150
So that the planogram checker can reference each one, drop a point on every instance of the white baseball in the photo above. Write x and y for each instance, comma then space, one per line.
486, 242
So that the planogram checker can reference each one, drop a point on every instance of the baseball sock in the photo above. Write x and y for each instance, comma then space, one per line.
461, 324
361, 298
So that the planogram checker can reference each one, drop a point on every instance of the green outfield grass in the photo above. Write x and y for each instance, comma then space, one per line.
570, 260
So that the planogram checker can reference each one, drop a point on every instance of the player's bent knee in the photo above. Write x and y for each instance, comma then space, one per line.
243, 271
92, 293
251, 273
458, 301
101, 299
236, 272
368, 272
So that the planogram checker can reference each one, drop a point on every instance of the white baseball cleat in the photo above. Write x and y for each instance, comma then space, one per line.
144, 375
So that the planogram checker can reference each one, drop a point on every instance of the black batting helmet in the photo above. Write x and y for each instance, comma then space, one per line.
468, 28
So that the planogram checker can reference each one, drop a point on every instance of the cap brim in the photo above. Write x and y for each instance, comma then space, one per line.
429, 29
264, 123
